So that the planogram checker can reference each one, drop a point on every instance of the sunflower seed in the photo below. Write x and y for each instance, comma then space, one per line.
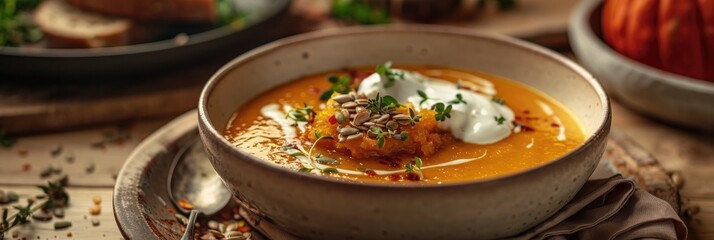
368, 124
216, 233
363, 128
349, 105
212, 224
234, 234
362, 102
362, 96
340, 117
351, 110
404, 122
355, 136
392, 124
382, 119
342, 98
375, 116
361, 118
341, 138
353, 95
400, 117
346, 131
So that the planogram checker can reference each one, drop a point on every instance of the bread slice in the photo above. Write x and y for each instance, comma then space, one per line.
66, 26
154, 10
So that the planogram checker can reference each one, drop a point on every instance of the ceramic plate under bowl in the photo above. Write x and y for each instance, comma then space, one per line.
654, 92
141, 201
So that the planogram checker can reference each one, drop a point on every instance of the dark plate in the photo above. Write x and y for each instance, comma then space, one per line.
146, 57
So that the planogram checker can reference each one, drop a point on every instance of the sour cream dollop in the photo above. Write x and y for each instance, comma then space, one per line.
476, 121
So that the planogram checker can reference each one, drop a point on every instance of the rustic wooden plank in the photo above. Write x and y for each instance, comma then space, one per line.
23, 163
77, 213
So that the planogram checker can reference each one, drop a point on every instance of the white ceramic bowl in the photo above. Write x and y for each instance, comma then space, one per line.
654, 92
316, 207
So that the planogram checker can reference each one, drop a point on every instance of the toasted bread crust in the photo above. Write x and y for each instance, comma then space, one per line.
154, 10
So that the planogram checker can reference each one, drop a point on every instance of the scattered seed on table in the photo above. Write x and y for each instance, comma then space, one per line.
56, 151
59, 212
26, 167
42, 216
69, 158
95, 222
69, 234
97, 200
90, 168
96, 210
62, 224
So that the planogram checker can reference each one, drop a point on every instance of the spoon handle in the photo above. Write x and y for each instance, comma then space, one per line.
188, 234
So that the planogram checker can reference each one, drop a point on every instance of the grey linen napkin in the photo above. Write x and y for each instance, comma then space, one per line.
611, 208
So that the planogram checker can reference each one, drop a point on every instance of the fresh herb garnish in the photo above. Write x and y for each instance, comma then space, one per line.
498, 100
383, 104
228, 16
339, 85
500, 119
391, 75
442, 111
459, 99
415, 168
55, 195
6, 140
377, 132
413, 117
303, 114
319, 157
424, 97
360, 12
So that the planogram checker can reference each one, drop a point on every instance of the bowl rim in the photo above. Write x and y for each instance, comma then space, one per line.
580, 24
210, 132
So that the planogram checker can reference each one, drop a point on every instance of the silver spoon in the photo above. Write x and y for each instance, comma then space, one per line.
192, 179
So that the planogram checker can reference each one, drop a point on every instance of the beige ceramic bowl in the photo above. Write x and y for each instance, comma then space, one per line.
316, 207
657, 93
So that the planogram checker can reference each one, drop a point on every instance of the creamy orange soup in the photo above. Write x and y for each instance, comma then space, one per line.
542, 130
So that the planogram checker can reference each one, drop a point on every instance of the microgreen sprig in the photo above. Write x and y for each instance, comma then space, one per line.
498, 100
413, 117
376, 131
319, 156
339, 85
499, 119
459, 99
391, 75
424, 97
415, 168
384, 104
303, 114
442, 111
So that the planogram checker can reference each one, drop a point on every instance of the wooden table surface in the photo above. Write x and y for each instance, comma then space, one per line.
92, 157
